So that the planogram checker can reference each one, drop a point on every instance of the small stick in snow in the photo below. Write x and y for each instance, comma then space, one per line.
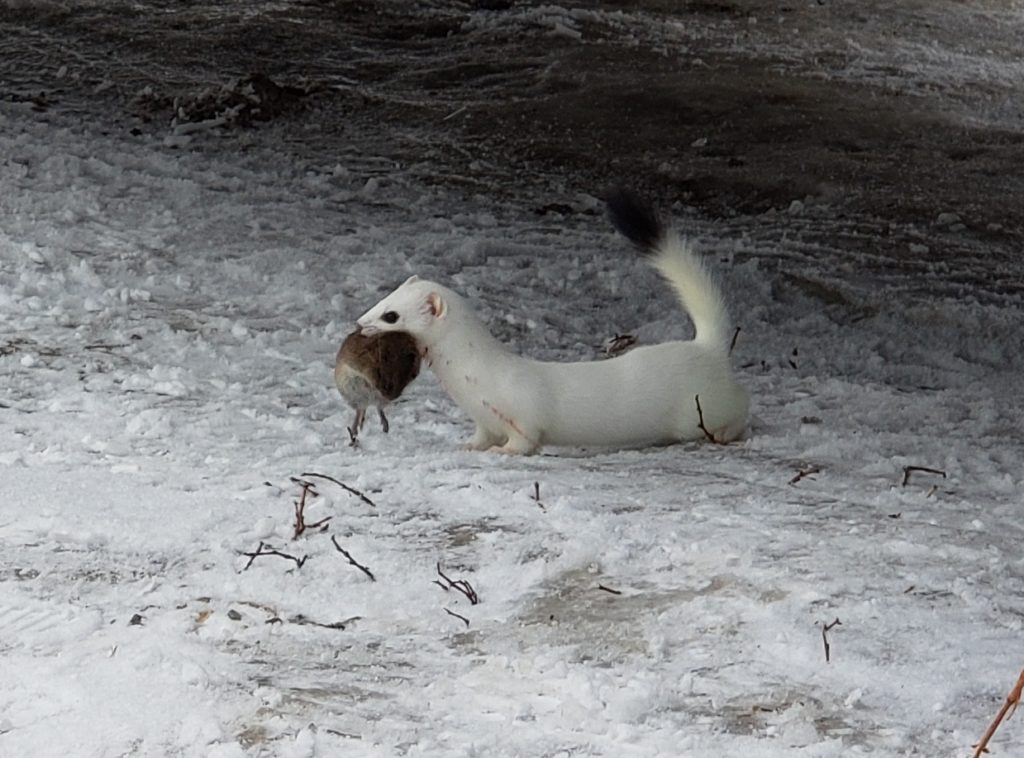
1012, 701
620, 343
825, 629
609, 590
456, 615
805, 473
303, 620
536, 496
908, 470
700, 423
454, 113
300, 510
265, 549
352, 560
460, 585
735, 336
350, 490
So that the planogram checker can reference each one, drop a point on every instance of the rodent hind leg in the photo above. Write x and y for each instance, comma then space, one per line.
357, 424
482, 439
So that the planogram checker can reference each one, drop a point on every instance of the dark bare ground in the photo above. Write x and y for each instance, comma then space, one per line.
720, 127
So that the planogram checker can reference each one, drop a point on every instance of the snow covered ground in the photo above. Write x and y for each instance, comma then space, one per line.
169, 314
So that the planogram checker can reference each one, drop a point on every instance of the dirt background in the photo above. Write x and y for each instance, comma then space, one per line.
845, 111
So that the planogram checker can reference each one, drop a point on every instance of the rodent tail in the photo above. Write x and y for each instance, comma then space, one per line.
673, 257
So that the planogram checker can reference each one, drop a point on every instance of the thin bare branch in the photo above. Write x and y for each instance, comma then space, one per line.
805, 473
825, 629
459, 585
350, 490
735, 336
308, 488
463, 619
908, 470
352, 560
700, 422
536, 496
1012, 701
265, 549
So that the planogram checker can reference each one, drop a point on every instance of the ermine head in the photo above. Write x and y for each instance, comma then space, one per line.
418, 307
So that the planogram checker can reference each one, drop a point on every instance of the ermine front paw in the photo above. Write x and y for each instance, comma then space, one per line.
481, 440
515, 446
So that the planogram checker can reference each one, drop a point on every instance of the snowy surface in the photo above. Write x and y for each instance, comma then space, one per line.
169, 315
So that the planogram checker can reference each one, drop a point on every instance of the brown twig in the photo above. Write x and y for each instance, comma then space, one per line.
735, 336
1012, 701
350, 490
908, 470
302, 620
536, 496
463, 619
805, 473
352, 560
609, 590
260, 552
700, 423
619, 343
460, 585
825, 629
300, 510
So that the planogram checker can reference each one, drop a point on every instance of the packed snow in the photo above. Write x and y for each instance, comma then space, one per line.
847, 580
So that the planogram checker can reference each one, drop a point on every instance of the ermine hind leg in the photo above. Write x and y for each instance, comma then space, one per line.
383, 420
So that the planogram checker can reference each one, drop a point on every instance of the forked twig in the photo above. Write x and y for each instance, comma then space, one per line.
300, 510
260, 552
825, 629
350, 490
805, 473
352, 560
700, 423
460, 585
1012, 701
619, 344
908, 470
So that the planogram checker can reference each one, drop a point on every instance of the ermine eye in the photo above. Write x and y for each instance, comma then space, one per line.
389, 318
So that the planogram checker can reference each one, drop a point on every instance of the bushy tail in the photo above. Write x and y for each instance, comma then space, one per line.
675, 260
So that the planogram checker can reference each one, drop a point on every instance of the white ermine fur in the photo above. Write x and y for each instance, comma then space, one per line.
647, 396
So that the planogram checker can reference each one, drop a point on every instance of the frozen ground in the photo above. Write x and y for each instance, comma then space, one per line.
171, 298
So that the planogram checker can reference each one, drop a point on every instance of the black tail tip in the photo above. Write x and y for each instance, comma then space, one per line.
635, 219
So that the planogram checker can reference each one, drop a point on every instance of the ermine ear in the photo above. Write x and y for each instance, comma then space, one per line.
411, 279
436, 305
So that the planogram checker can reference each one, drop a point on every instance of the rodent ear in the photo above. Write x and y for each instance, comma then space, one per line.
411, 279
436, 306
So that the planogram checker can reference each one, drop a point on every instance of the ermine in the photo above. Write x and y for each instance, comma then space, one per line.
652, 395
374, 370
